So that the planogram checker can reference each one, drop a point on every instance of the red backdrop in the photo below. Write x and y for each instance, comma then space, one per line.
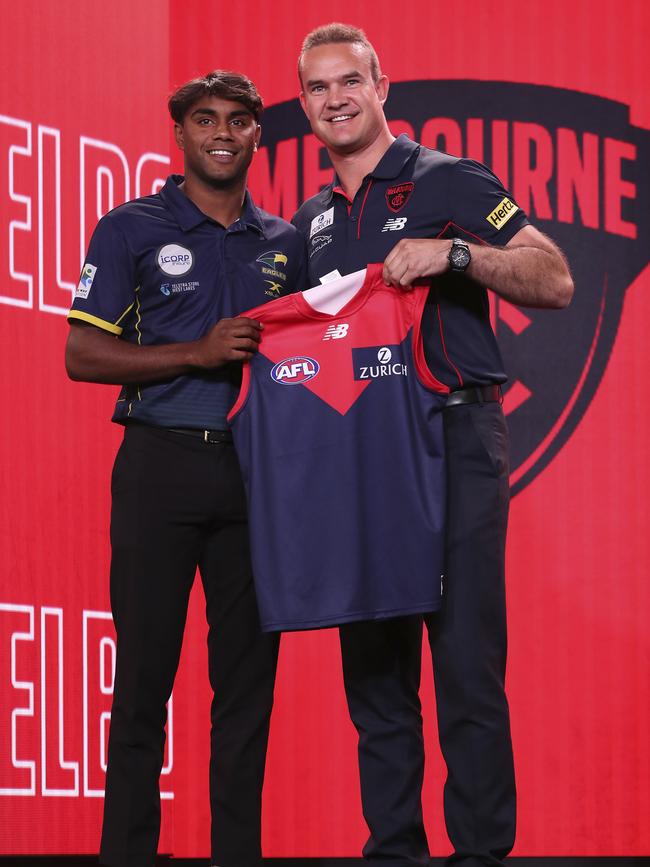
83, 126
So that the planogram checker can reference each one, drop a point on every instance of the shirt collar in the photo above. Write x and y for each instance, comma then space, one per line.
395, 158
251, 216
189, 216
389, 166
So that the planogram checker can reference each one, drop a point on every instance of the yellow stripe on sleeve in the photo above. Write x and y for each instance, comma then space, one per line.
95, 320
128, 309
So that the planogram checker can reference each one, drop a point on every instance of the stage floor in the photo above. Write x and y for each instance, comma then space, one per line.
166, 861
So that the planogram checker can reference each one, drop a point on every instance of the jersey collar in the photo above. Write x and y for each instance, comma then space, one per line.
371, 279
188, 216
389, 166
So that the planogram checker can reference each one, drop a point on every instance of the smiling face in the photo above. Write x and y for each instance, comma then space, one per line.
218, 138
342, 102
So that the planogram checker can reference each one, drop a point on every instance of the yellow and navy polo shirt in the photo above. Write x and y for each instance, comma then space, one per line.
158, 270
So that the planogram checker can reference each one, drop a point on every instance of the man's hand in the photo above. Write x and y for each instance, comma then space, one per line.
228, 340
94, 355
530, 270
413, 258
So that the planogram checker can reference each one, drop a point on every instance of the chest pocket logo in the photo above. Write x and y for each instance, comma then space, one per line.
174, 260
272, 263
321, 221
397, 197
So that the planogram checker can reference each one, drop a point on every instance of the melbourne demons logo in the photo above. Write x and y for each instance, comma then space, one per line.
295, 370
581, 171
397, 197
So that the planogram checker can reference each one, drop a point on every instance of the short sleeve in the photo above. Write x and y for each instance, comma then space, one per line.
106, 290
481, 206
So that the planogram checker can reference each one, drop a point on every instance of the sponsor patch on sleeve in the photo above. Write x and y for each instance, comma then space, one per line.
86, 280
502, 213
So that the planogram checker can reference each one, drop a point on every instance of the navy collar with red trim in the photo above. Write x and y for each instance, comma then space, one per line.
389, 166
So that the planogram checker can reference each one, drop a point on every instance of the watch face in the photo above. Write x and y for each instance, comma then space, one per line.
459, 257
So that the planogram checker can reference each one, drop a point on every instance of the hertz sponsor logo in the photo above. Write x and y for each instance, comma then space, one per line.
502, 213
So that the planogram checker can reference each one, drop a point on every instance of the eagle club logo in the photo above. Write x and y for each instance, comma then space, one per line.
575, 164
271, 263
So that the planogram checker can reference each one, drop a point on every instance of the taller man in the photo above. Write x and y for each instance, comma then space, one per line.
157, 311
426, 214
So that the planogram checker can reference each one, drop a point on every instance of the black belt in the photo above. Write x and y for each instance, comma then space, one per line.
208, 436
476, 394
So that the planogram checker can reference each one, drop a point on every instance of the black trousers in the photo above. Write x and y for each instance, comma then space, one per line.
179, 503
468, 644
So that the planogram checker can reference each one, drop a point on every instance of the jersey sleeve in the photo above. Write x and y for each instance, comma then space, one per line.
481, 206
106, 290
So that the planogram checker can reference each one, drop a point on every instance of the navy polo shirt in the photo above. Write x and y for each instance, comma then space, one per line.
158, 270
415, 192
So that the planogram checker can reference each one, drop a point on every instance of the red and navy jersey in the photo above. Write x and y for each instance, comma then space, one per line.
415, 192
158, 270
338, 427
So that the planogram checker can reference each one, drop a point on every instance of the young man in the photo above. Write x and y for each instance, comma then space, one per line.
444, 205
157, 311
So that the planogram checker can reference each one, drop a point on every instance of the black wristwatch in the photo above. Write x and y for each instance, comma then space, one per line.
459, 255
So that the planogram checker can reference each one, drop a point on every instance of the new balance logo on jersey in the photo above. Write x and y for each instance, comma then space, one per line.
336, 332
394, 224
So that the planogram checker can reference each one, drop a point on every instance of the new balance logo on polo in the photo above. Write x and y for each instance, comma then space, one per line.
336, 332
394, 224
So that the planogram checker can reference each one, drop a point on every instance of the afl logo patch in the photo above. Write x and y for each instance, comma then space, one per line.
295, 370
174, 260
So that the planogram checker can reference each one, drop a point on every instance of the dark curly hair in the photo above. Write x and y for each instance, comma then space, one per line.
221, 83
